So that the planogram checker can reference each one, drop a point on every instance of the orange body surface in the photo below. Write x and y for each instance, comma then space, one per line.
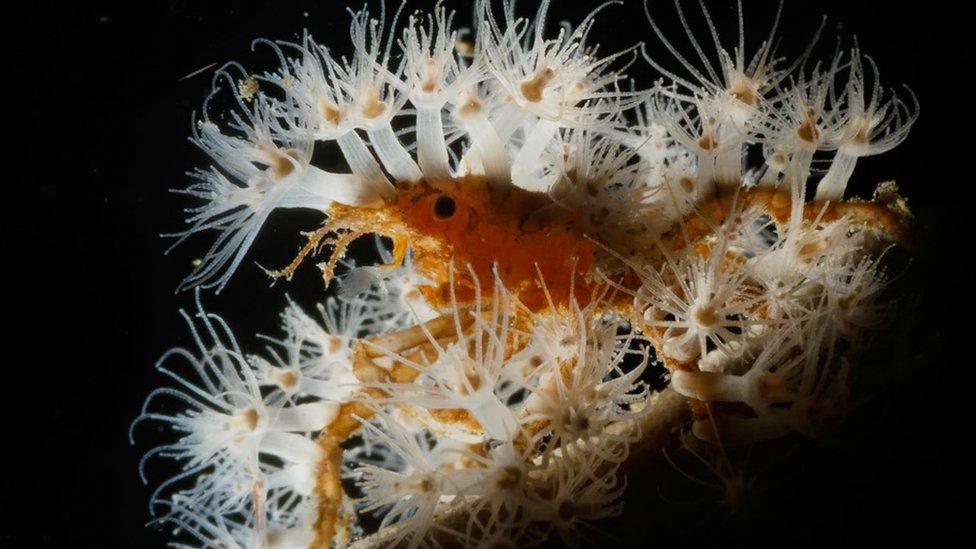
461, 223
461, 231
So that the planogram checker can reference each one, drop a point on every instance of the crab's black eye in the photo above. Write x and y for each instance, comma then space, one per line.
444, 207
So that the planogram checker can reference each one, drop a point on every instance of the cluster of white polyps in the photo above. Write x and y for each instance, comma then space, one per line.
493, 108
766, 320
514, 418
518, 429
510, 427
249, 463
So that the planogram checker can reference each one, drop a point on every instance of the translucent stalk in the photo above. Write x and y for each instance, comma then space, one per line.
362, 163
833, 185
528, 157
431, 147
395, 158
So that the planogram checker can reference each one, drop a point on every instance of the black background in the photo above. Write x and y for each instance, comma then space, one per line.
98, 115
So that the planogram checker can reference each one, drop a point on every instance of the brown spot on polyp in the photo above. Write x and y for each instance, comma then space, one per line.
249, 418
744, 92
533, 87
707, 142
470, 107
287, 380
330, 113
808, 131
373, 107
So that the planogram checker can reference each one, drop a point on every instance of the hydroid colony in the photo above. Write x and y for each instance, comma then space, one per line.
557, 233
